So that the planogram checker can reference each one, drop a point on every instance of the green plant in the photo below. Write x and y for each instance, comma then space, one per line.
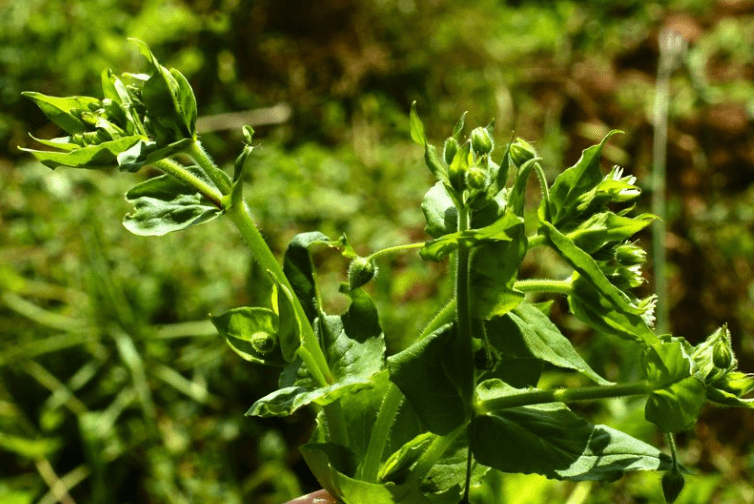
426, 423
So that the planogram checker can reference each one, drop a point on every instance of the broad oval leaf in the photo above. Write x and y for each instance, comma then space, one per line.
63, 111
165, 204
679, 393
502, 230
146, 152
551, 440
542, 338
429, 376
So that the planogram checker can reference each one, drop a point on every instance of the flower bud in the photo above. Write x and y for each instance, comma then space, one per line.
263, 342
722, 355
521, 151
481, 141
449, 150
360, 271
629, 254
476, 178
672, 484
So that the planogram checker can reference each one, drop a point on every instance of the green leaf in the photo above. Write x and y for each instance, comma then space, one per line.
398, 466
252, 333
65, 112
335, 466
607, 228
165, 204
542, 338
417, 127
114, 89
517, 196
326, 462
500, 230
458, 128
432, 364
590, 306
354, 348
353, 342
494, 268
574, 182
679, 393
299, 269
165, 98
551, 440
186, 102
290, 331
588, 268
287, 400
61, 143
145, 152
439, 211
92, 157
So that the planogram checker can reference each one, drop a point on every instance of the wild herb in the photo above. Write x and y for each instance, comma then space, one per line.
427, 423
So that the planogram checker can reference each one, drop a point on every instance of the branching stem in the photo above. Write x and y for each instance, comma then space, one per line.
394, 250
565, 395
200, 156
380, 433
563, 287
180, 172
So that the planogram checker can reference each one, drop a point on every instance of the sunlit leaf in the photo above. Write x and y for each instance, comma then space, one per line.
165, 204
679, 393
551, 440
65, 112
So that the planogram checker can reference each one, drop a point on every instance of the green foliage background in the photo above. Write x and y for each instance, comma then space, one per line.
114, 388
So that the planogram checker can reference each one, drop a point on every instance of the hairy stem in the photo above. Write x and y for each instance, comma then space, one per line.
543, 186
200, 156
535, 241
434, 453
565, 395
563, 287
380, 433
312, 356
444, 316
463, 306
395, 249
180, 172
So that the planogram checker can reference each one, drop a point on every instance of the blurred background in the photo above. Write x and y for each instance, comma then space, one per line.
115, 389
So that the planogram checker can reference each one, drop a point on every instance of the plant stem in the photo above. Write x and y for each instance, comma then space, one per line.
673, 450
535, 241
543, 186
395, 249
463, 312
380, 433
444, 316
563, 395
200, 156
180, 172
310, 350
433, 454
545, 285
463, 295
